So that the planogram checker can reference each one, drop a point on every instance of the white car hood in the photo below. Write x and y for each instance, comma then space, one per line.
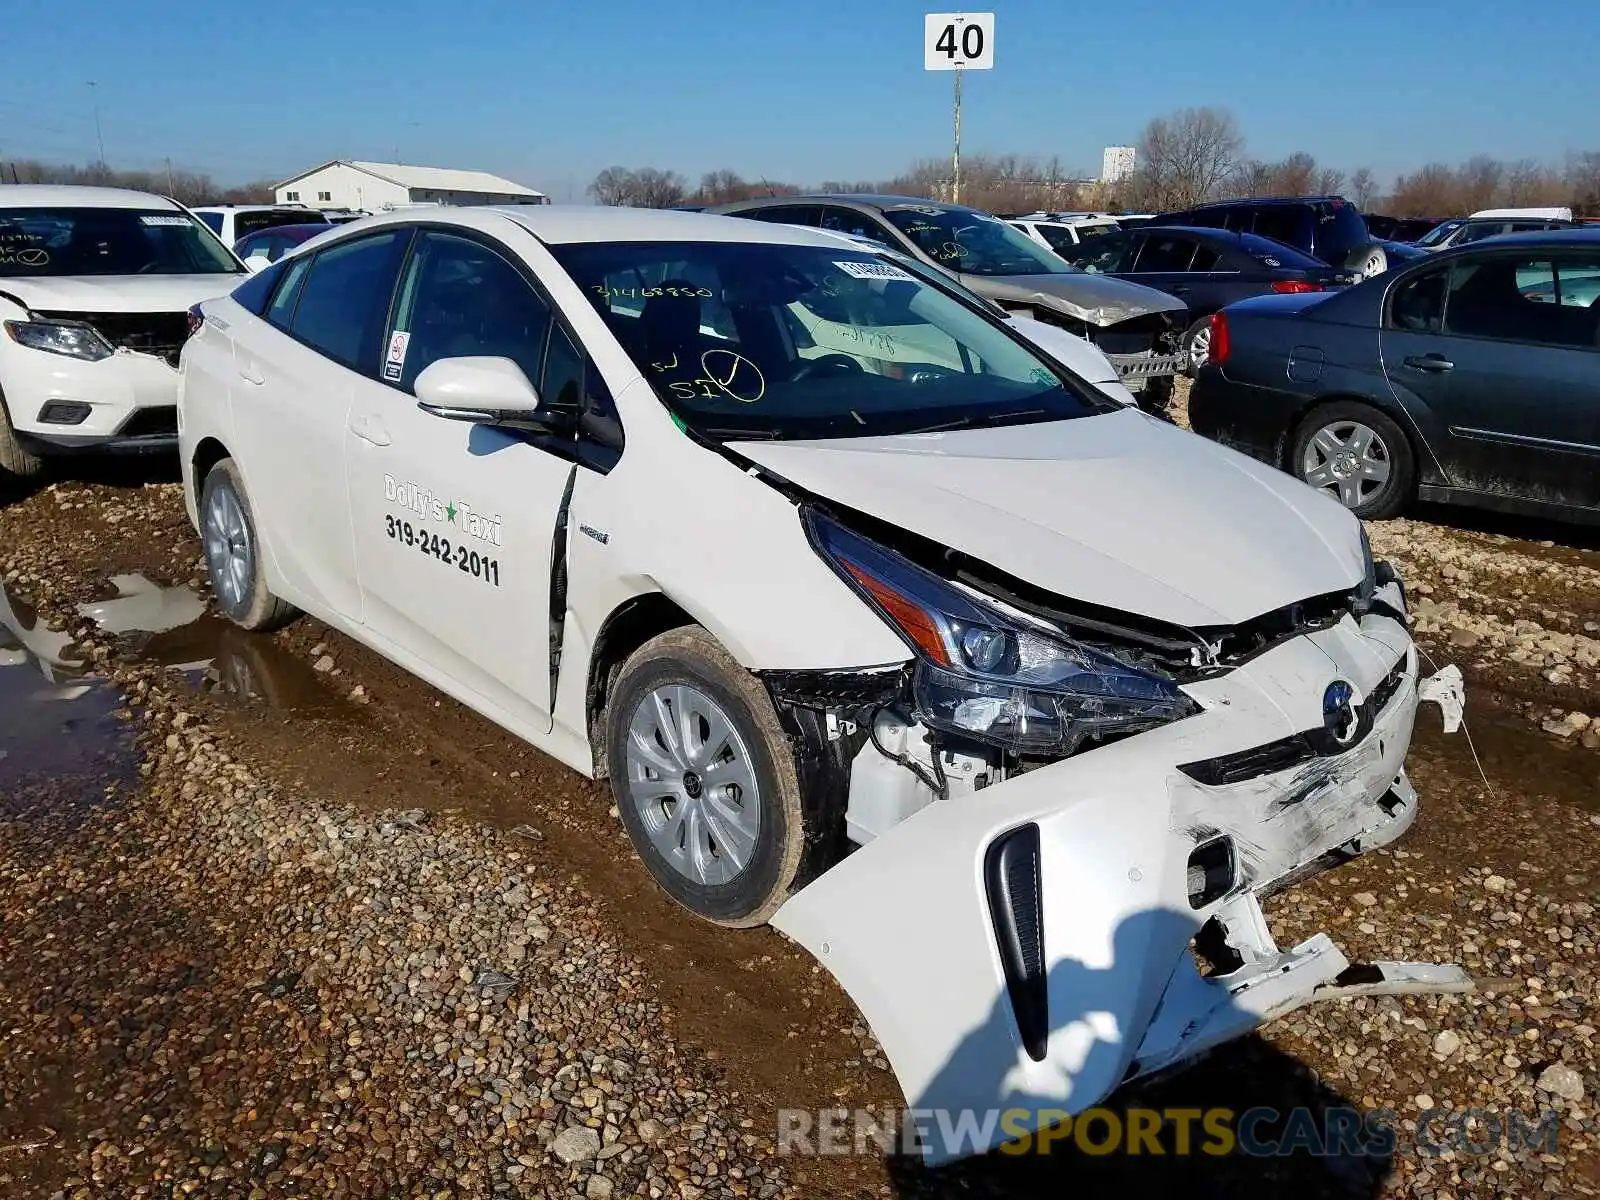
1119, 510
118, 293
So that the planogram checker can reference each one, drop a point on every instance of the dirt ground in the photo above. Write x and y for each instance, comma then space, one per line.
311, 730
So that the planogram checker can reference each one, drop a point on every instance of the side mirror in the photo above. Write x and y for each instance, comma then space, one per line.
484, 391
258, 262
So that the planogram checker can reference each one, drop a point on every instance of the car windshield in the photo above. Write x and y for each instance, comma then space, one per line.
46, 242
758, 340
974, 243
1439, 232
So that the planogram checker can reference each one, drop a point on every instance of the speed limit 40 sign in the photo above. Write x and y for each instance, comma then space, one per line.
952, 40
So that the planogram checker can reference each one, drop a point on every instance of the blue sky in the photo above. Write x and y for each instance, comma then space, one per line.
549, 93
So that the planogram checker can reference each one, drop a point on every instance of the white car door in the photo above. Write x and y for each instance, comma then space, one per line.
290, 405
455, 523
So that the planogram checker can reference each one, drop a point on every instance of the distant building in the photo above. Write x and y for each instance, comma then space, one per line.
1116, 164
376, 187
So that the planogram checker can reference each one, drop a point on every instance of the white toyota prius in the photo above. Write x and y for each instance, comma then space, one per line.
1004, 699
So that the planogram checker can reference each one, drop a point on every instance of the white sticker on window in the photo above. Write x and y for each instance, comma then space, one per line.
394, 365
155, 220
875, 270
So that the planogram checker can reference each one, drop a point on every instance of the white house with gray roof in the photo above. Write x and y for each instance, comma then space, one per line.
378, 187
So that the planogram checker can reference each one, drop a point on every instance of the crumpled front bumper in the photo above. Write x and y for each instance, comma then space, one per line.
909, 923
1145, 366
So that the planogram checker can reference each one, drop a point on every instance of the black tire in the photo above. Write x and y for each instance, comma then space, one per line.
14, 460
1367, 261
690, 656
1202, 326
1155, 397
255, 607
1396, 491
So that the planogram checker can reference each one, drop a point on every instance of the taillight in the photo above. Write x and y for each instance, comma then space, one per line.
1291, 286
1217, 352
196, 319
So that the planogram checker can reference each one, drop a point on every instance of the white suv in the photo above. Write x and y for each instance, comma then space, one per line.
1063, 233
230, 222
95, 288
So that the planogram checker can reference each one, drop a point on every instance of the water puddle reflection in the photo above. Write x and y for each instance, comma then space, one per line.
219, 657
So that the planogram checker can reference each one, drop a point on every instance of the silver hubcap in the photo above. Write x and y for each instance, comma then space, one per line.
1349, 460
229, 554
1200, 346
691, 781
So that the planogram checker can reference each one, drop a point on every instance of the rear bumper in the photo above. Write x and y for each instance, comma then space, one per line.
1254, 420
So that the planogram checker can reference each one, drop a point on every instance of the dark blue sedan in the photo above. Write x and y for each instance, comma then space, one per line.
1469, 377
1206, 269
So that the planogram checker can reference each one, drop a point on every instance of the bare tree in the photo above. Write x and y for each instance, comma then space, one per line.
1329, 181
1478, 182
1431, 191
614, 185
1363, 188
1583, 183
658, 189
1188, 156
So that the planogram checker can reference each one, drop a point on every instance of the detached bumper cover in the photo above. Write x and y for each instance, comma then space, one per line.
904, 923
1146, 366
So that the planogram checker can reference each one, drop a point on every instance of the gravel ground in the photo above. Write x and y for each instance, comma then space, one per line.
256, 948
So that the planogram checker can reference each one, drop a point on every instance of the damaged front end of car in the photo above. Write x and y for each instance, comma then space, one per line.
1054, 812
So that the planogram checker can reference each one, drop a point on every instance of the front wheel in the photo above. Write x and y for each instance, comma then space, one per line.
704, 779
1357, 455
14, 460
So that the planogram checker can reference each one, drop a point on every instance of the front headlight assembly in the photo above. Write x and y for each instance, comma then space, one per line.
988, 671
71, 338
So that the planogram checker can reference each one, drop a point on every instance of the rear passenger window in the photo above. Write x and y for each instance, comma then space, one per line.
462, 299
344, 299
786, 214
254, 292
1284, 223
281, 310
1205, 259
1164, 254
848, 220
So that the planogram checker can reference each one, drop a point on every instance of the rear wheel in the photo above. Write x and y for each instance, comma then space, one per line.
14, 460
1197, 346
233, 553
1358, 455
1367, 261
704, 779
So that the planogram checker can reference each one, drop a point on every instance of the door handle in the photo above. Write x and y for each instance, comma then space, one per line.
1430, 362
251, 373
1181, 290
369, 429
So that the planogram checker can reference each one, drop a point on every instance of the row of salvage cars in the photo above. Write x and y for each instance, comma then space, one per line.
887, 623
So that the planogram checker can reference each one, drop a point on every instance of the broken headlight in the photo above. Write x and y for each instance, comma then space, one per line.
991, 672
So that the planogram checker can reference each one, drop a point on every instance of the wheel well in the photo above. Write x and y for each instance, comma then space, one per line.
625, 630
207, 455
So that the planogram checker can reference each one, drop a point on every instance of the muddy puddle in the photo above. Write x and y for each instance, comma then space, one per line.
65, 742
221, 659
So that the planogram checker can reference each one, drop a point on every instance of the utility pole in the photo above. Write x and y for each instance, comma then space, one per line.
170, 188
955, 161
99, 137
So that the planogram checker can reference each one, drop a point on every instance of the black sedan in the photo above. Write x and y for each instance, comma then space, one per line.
1206, 269
1470, 377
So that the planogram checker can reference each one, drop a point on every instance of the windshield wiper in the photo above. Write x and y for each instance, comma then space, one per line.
971, 421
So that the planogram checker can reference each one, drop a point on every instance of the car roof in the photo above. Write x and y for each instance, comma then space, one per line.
1578, 237
558, 224
860, 199
227, 208
49, 195
1245, 200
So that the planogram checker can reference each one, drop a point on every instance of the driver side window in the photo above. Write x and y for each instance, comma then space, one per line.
460, 298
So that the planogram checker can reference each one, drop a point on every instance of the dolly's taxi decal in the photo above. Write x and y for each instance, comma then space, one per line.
420, 500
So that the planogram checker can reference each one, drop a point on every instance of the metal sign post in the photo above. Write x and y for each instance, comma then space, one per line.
957, 42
